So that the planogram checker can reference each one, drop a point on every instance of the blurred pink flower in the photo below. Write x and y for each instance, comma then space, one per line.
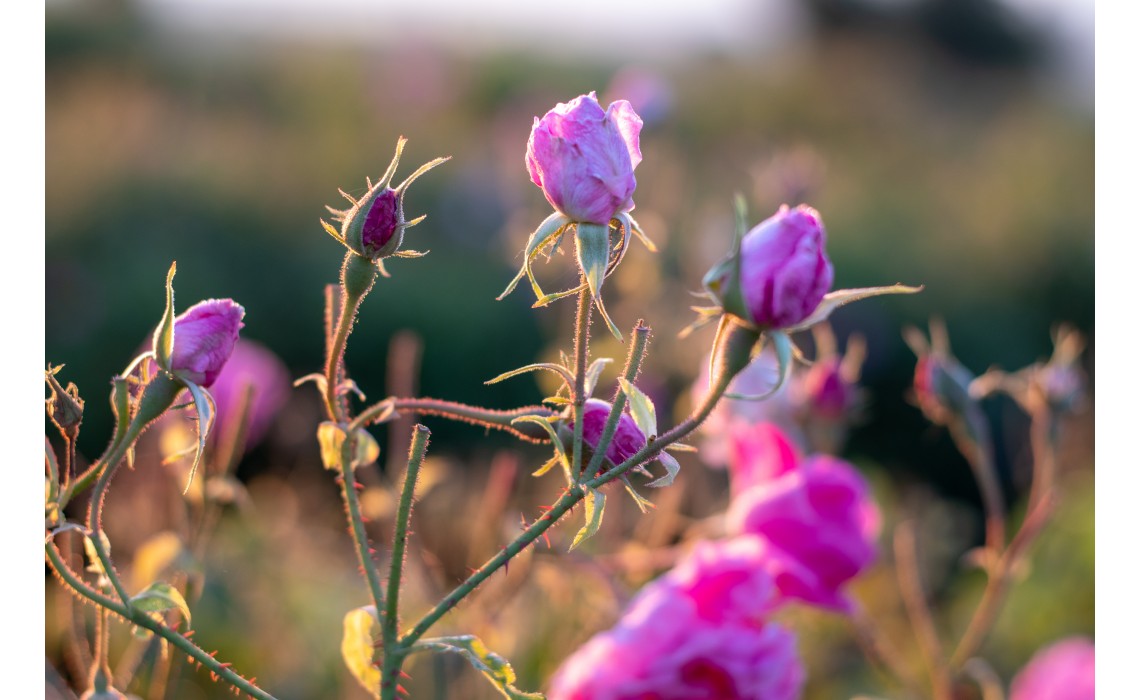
204, 337
583, 158
819, 512
628, 438
759, 453
694, 634
252, 364
824, 391
1065, 670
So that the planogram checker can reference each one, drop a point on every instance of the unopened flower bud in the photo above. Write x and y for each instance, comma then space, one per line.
780, 273
64, 407
627, 440
942, 388
204, 338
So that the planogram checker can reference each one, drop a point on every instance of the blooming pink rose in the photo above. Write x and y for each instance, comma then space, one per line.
1066, 670
252, 364
204, 338
820, 513
628, 438
694, 634
784, 269
583, 158
759, 453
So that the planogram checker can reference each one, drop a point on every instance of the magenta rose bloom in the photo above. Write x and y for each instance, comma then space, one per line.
253, 365
1066, 670
694, 634
628, 438
204, 338
583, 158
821, 514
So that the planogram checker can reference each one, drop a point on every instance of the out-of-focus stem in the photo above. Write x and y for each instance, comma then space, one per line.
977, 447
881, 652
393, 654
581, 350
914, 598
143, 620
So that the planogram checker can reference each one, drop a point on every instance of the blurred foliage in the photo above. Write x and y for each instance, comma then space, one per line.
925, 142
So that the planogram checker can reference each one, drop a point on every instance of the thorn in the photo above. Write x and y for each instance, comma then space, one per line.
405, 675
547, 538
213, 676
188, 634
213, 653
545, 509
359, 486
227, 665
365, 520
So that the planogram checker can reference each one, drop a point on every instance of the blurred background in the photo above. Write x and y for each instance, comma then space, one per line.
947, 143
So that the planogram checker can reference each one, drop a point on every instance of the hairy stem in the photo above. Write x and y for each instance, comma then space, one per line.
632, 367
393, 658
143, 620
476, 415
581, 351
356, 522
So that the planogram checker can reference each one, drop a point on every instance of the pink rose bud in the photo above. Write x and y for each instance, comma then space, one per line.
255, 366
942, 388
1065, 670
204, 337
783, 271
691, 635
382, 222
825, 392
583, 158
627, 440
821, 514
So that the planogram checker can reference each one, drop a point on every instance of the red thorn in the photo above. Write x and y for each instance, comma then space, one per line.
188, 634
225, 665
547, 538
213, 676
400, 689
213, 653
359, 486
405, 675
365, 520
545, 509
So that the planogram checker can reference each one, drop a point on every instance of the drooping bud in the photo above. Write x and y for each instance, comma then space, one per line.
64, 407
373, 227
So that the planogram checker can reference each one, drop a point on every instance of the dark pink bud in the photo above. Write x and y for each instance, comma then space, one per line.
583, 158
825, 392
382, 222
204, 338
1066, 670
628, 438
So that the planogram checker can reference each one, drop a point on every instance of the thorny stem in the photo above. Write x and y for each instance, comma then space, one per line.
143, 620
562, 506
910, 585
486, 417
335, 358
356, 523
581, 350
95, 507
393, 657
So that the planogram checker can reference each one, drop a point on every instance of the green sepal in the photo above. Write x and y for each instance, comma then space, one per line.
494, 668
593, 242
95, 564
561, 371
841, 297
552, 226
164, 335
785, 349
121, 405
640, 408
547, 466
204, 405
331, 230
357, 647
672, 468
563, 458
595, 505
631, 224
643, 503
160, 597
593, 372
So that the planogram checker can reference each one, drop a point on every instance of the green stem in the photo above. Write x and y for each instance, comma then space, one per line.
336, 357
632, 367
356, 523
143, 620
95, 507
476, 415
581, 352
562, 506
393, 654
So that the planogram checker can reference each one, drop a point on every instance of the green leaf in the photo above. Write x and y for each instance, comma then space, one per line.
204, 403
562, 457
164, 334
159, 597
561, 371
547, 466
494, 667
361, 632
641, 408
595, 505
841, 297
672, 468
593, 372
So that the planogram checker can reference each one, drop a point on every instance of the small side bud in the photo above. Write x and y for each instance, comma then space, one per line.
64, 407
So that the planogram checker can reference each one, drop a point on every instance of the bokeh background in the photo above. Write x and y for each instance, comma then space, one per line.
947, 143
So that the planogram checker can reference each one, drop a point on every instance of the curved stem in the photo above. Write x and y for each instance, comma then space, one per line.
910, 585
180, 642
335, 358
475, 415
393, 658
95, 507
